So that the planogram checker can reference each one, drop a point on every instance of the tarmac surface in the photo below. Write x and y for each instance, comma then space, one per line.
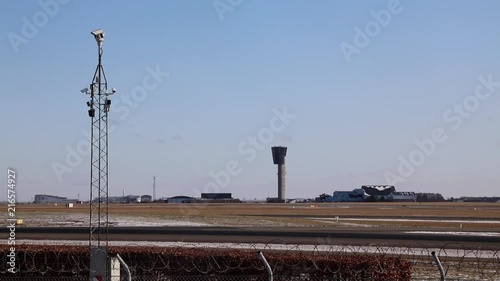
290, 235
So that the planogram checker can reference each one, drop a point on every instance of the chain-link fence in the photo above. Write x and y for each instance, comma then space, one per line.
21, 277
145, 278
241, 262
199, 278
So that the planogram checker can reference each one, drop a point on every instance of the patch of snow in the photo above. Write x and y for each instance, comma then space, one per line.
463, 233
410, 220
120, 220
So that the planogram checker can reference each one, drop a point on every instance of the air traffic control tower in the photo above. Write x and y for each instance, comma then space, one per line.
279, 154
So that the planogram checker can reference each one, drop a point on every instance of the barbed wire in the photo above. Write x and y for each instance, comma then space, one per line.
288, 261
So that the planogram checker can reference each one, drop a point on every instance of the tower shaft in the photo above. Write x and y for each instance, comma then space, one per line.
154, 188
282, 182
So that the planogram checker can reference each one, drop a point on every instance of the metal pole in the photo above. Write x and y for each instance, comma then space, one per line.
266, 264
129, 276
154, 188
438, 263
99, 147
91, 227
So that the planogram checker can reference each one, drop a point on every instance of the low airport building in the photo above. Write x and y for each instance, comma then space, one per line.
44, 198
217, 198
403, 196
379, 192
180, 199
371, 193
146, 198
357, 195
124, 199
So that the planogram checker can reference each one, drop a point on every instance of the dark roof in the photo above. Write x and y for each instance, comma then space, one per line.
404, 193
378, 190
180, 197
51, 196
216, 196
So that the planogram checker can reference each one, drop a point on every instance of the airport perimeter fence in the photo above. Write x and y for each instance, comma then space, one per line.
241, 262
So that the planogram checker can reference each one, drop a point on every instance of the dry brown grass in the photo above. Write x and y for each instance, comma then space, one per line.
431, 210
257, 214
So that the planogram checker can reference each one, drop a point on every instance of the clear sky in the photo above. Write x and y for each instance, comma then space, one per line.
361, 82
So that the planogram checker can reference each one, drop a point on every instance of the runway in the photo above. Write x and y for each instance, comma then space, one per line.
295, 235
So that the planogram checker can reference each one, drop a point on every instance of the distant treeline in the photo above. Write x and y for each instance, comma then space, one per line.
475, 199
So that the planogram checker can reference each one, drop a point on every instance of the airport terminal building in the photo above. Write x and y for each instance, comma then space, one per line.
372, 193
44, 199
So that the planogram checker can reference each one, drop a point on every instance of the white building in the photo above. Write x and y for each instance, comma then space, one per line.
123, 199
44, 198
403, 196
132, 199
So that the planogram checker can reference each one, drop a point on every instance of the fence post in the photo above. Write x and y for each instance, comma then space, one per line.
266, 264
438, 263
129, 276
115, 269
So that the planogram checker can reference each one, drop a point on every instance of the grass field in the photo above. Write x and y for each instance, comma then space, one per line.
466, 261
447, 215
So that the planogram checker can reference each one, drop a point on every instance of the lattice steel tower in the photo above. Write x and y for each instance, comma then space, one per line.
99, 106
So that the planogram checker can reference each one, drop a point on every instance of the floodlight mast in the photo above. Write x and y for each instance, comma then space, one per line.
99, 106
154, 188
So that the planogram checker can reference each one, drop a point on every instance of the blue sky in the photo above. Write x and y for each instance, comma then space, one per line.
231, 65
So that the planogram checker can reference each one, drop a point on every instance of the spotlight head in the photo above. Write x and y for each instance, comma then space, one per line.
113, 90
91, 113
89, 103
107, 105
84, 90
99, 36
